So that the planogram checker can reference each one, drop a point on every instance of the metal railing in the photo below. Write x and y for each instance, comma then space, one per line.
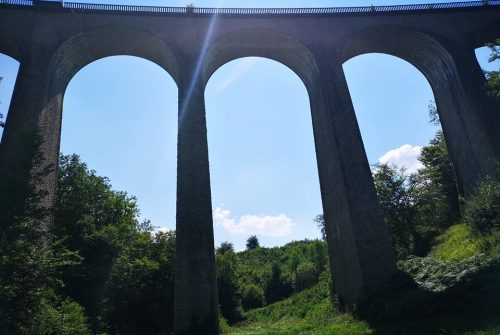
262, 11
17, 2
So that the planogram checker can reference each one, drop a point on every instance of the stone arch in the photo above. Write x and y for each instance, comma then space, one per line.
470, 150
86, 47
9, 48
266, 44
419, 49
74, 54
488, 32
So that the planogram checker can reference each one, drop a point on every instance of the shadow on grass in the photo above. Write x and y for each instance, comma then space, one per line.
471, 305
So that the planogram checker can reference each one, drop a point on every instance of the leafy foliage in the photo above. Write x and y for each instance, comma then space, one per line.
277, 286
67, 318
277, 267
253, 242
31, 263
482, 211
252, 296
419, 206
224, 248
229, 299
96, 222
494, 50
140, 294
125, 274
319, 220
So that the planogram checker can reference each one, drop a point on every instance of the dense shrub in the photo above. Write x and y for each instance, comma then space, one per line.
482, 210
229, 300
252, 296
278, 287
306, 276
66, 319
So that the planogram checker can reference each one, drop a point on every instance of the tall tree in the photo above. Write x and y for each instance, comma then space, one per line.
31, 263
224, 248
229, 298
438, 191
252, 242
98, 223
140, 296
395, 191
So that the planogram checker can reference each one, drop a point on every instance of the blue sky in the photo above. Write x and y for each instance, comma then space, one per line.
120, 116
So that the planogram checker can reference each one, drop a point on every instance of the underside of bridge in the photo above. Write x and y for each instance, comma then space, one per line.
53, 41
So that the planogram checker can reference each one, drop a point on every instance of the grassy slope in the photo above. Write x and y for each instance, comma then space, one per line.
308, 312
460, 243
461, 278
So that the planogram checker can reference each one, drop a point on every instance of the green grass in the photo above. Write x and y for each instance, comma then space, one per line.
339, 325
459, 242
309, 312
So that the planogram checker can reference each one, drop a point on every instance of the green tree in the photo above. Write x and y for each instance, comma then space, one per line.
294, 264
253, 242
31, 262
227, 274
438, 192
319, 220
224, 248
494, 50
140, 296
319, 257
98, 223
252, 296
395, 192
482, 210
306, 275
277, 286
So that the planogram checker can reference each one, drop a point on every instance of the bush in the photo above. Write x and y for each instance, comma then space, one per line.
482, 210
306, 276
278, 286
66, 319
224, 327
252, 296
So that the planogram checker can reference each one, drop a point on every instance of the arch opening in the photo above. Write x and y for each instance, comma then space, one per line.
262, 161
458, 98
400, 127
8, 75
486, 59
131, 108
120, 117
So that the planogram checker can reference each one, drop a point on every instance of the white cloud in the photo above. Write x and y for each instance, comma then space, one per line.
404, 156
242, 67
279, 225
162, 229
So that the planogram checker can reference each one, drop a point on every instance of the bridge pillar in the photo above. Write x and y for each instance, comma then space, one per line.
470, 120
196, 303
479, 114
29, 151
361, 254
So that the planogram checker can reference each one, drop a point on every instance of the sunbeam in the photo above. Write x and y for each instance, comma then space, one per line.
199, 65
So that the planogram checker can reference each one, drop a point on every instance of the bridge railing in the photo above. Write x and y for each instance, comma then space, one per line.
260, 11
17, 2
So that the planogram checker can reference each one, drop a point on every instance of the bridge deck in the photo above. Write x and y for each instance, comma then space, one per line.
76, 6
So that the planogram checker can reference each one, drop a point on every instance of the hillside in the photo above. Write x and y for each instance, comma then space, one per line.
458, 293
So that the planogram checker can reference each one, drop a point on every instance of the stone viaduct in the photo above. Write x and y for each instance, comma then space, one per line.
53, 41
